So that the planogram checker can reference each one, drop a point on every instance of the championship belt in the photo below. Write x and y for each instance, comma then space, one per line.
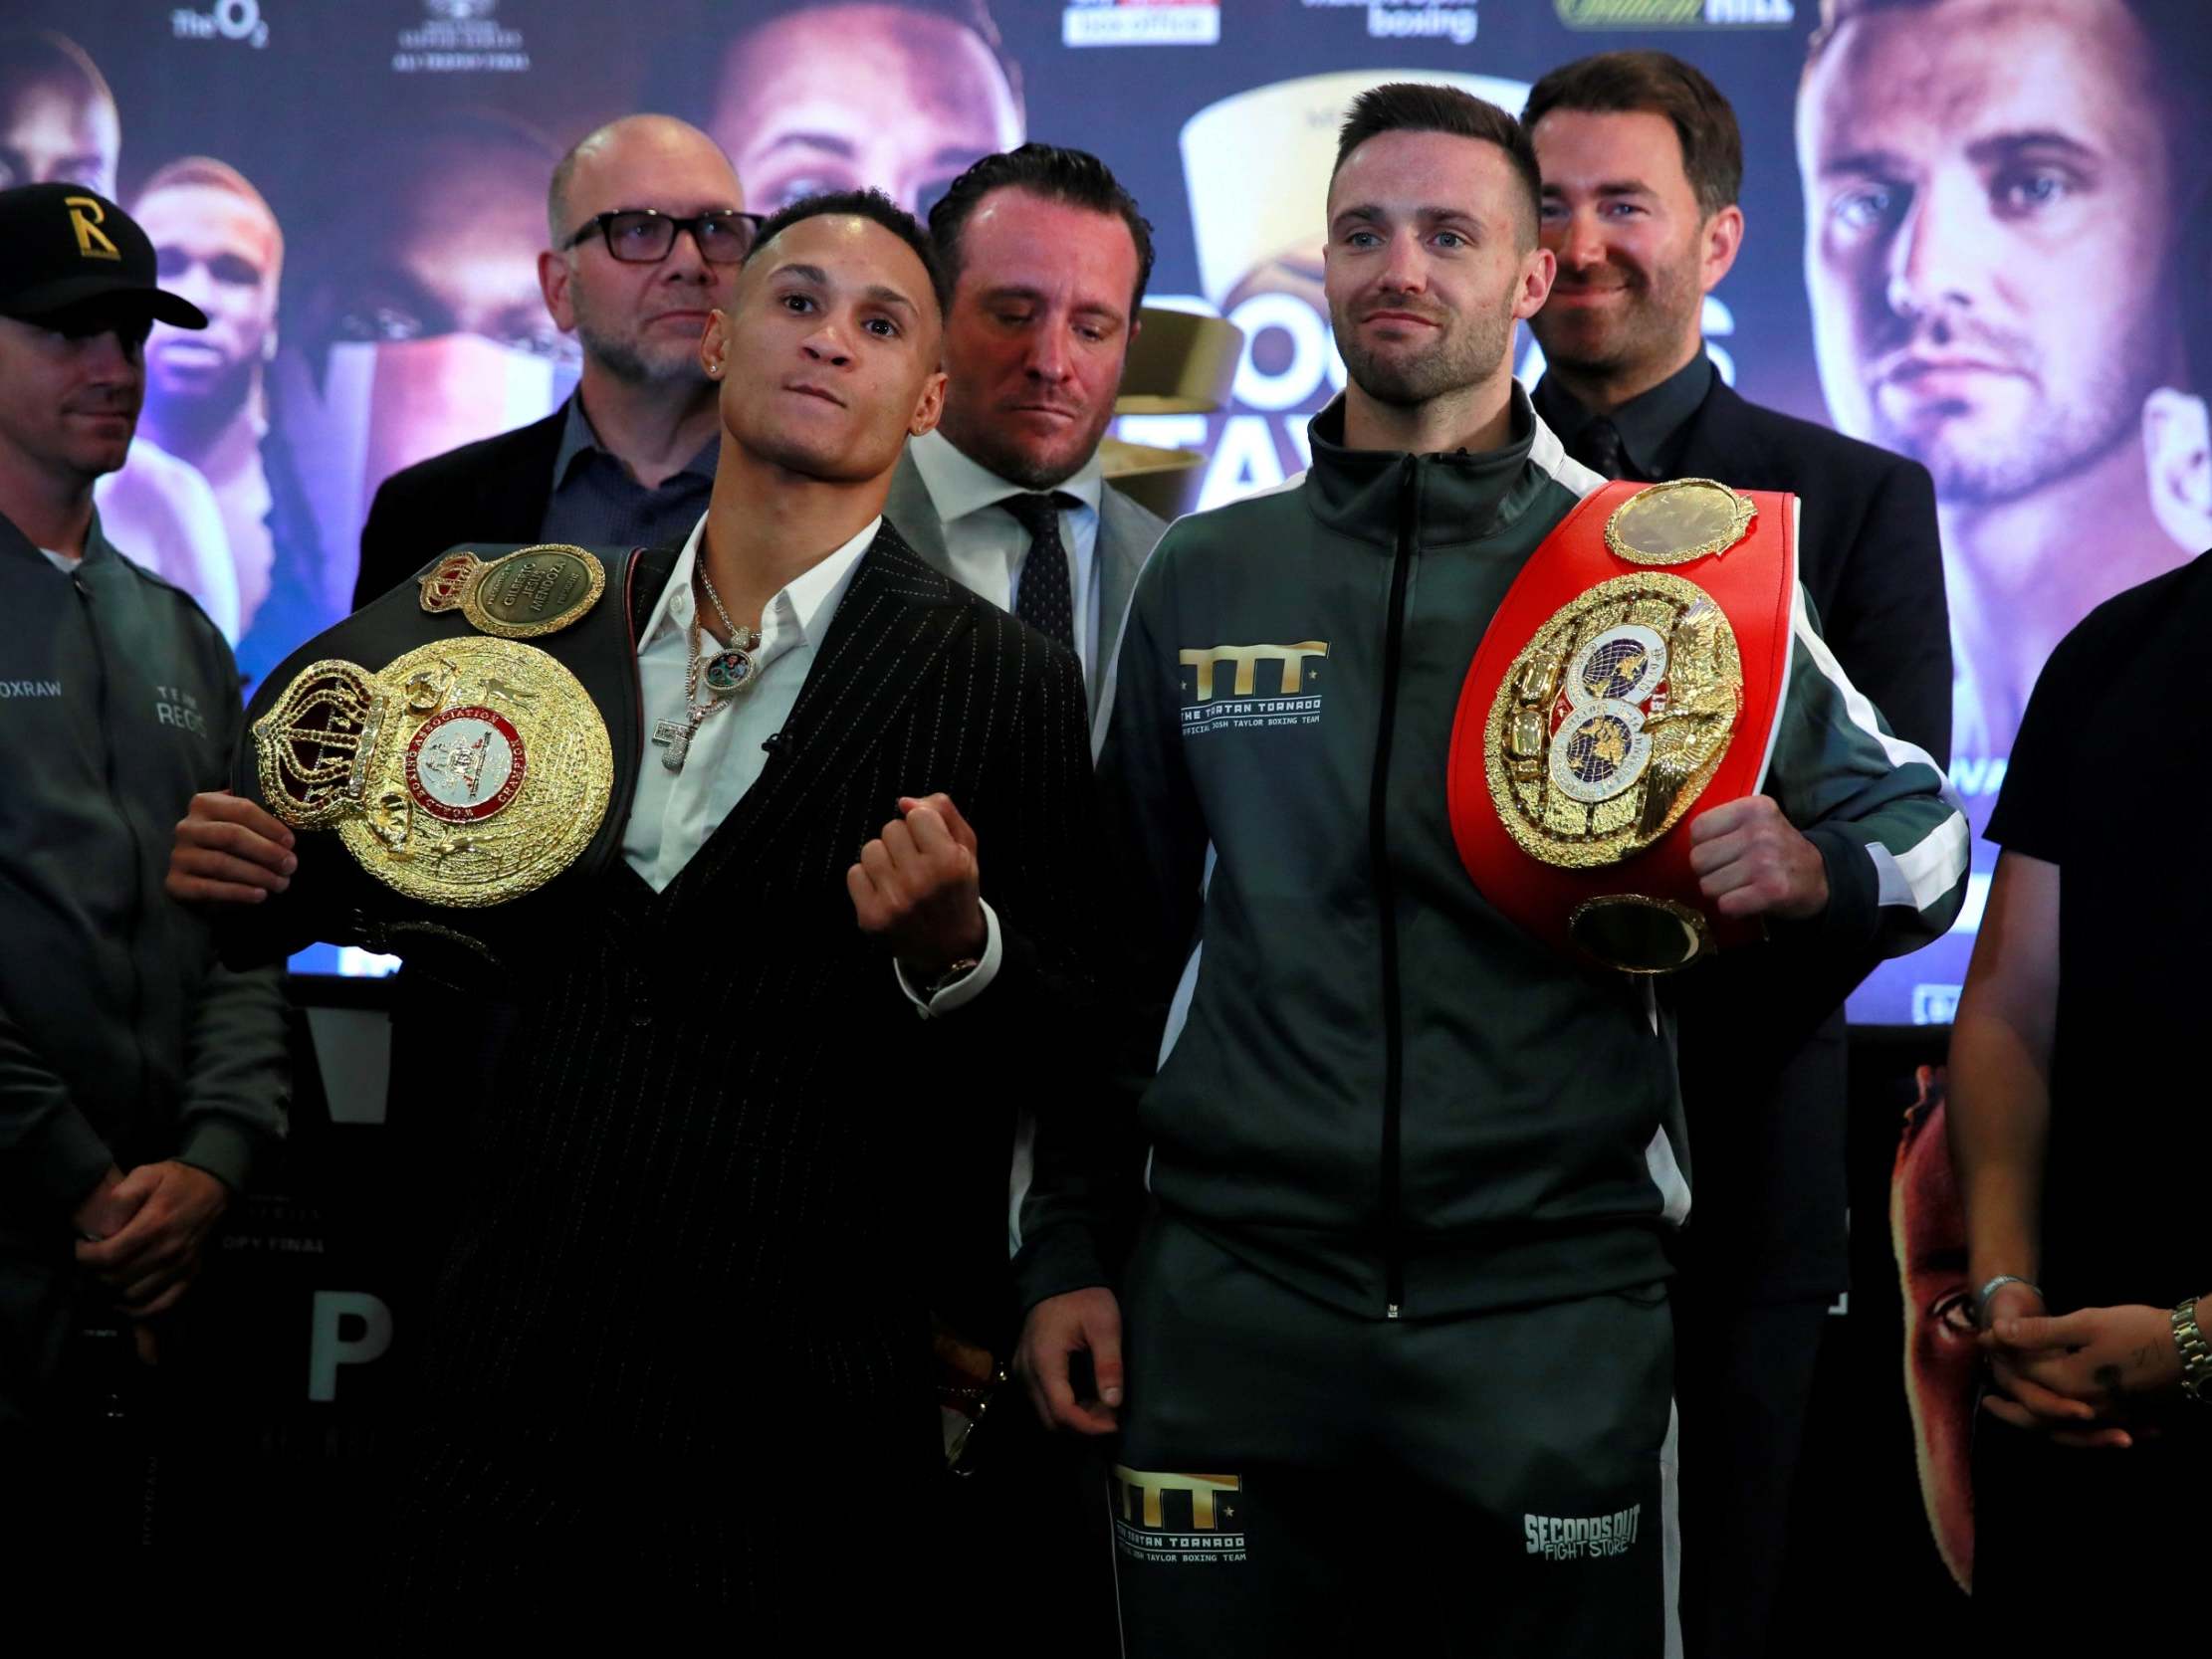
1634, 670
463, 736
466, 772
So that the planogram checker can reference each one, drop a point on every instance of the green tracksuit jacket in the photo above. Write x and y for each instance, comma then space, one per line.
1372, 1085
121, 1039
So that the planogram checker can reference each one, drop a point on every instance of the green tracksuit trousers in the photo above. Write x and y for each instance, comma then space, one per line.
1293, 1479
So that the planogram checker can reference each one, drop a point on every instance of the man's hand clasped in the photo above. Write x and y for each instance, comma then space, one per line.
228, 851
2095, 1377
143, 1233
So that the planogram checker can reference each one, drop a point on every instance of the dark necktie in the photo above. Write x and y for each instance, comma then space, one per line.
1598, 447
1044, 597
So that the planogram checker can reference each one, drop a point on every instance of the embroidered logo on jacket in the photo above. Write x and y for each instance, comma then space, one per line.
1240, 687
1176, 1518
174, 705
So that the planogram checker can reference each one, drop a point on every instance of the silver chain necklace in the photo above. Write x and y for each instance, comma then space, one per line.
726, 672
731, 669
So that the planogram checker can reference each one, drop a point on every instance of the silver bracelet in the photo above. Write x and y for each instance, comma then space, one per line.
1991, 1288
2195, 1354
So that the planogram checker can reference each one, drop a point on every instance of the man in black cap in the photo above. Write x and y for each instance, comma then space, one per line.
139, 1079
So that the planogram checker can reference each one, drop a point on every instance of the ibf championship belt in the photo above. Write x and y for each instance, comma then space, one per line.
1634, 672
466, 772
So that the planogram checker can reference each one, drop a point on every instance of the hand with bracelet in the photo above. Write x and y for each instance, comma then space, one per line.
916, 887
2092, 1377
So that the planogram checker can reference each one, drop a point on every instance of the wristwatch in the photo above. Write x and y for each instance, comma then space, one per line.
2196, 1356
952, 977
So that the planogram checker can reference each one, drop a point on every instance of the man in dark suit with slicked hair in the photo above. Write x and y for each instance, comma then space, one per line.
1641, 161
717, 1161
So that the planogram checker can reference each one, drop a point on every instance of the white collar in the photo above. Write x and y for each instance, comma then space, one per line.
809, 600
959, 485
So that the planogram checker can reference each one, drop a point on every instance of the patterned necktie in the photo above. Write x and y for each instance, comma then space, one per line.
1043, 596
1598, 447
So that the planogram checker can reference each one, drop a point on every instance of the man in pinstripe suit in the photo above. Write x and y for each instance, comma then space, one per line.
719, 1148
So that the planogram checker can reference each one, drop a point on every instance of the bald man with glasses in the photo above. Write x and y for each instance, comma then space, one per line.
646, 226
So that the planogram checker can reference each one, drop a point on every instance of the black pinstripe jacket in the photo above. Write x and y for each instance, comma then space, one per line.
718, 1168
724, 1164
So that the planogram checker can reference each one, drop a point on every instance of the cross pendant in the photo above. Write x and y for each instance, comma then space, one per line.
675, 737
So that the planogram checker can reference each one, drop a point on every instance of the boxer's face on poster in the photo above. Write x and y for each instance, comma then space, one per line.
223, 253
1038, 333
55, 132
1425, 264
828, 358
460, 258
642, 322
1942, 1364
1622, 220
1988, 226
864, 96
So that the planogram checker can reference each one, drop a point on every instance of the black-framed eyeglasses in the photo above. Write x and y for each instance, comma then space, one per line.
644, 235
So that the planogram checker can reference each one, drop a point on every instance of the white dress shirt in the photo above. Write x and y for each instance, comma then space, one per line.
673, 813
987, 544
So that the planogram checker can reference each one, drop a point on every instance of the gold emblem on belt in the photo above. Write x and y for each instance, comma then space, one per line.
466, 772
519, 595
1675, 522
1612, 719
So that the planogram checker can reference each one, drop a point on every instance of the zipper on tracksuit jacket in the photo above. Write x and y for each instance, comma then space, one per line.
1386, 894
108, 724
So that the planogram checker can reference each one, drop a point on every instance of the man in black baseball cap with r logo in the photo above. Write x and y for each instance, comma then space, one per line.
138, 1078
66, 251
76, 299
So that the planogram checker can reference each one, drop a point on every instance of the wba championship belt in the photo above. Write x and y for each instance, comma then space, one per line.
463, 736
465, 772
1634, 672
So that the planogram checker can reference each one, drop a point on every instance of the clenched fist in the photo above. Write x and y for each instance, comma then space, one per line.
916, 888
1751, 861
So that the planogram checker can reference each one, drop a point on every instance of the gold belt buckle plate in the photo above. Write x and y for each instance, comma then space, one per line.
521, 595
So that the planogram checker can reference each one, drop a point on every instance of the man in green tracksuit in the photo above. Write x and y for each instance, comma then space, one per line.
140, 1079
1399, 1355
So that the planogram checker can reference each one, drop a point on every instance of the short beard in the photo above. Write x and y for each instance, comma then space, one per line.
622, 360
1648, 335
1662, 309
982, 446
1472, 350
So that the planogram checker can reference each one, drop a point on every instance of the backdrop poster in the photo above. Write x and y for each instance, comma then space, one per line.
1976, 234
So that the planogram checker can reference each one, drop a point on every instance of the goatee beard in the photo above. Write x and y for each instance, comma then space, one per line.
1471, 351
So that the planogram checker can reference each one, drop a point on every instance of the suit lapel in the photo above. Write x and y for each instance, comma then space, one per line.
896, 618
514, 498
1722, 442
914, 514
1127, 534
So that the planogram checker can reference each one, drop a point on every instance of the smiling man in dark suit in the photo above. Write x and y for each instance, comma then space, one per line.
1641, 160
717, 1150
